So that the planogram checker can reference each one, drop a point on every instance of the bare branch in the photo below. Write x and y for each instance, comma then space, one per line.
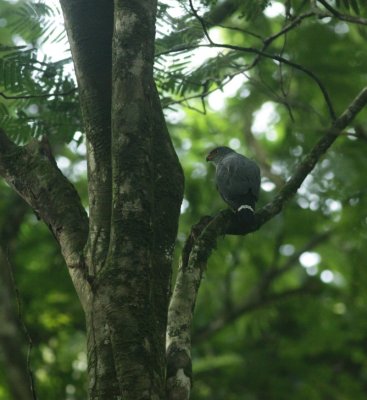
263, 53
343, 17
40, 95
32, 172
259, 53
275, 57
202, 22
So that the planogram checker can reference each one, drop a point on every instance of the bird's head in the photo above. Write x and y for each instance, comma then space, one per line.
217, 154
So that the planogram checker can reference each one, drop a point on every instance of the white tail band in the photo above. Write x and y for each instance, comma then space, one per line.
245, 207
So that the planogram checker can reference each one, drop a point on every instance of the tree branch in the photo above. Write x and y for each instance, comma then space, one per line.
214, 16
271, 56
40, 95
32, 172
343, 17
275, 57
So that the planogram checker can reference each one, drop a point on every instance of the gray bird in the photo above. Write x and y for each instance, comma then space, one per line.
238, 181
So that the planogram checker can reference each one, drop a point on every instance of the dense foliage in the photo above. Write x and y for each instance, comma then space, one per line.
280, 313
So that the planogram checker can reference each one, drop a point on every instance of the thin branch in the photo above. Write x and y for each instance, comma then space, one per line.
245, 31
262, 53
293, 259
283, 89
267, 41
292, 64
295, 23
41, 95
200, 96
216, 15
25, 330
202, 22
334, 12
343, 17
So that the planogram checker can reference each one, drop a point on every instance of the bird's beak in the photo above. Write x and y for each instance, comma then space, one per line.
208, 158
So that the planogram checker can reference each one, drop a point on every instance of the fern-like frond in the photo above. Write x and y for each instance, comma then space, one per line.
35, 23
351, 5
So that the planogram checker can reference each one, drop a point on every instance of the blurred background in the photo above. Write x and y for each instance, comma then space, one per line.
281, 313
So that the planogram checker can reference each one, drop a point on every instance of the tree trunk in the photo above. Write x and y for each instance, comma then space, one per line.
135, 192
120, 258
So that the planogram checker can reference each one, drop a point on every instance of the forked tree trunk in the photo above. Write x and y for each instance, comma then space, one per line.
120, 258
135, 191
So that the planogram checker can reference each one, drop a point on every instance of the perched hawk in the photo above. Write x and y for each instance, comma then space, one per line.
238, 181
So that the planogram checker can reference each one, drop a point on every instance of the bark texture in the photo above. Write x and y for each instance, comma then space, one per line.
89, 26
135, 280
135, 192
32, 172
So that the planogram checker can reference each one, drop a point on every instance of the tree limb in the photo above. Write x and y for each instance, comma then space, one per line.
343, 17
214, 16
32, 172
264, 54
38, 95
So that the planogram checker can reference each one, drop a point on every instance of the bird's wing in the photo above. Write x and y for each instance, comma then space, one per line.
236, 176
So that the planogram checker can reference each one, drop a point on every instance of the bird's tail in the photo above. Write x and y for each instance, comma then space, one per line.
246, 215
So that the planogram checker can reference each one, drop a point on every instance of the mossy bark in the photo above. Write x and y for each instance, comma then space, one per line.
135, 192
120, 258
